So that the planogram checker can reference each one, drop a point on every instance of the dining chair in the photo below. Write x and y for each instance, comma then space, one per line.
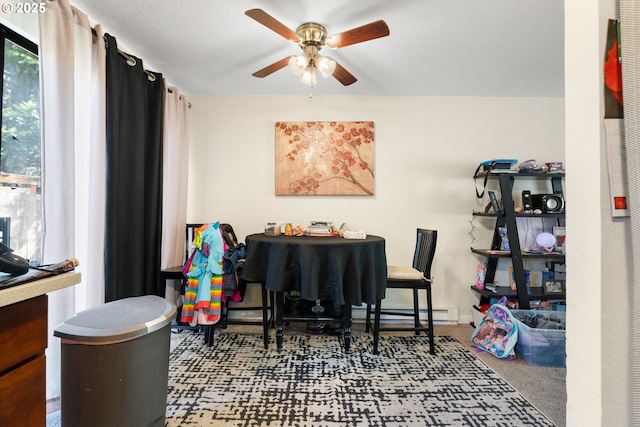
176, 273
229, 305
416, 277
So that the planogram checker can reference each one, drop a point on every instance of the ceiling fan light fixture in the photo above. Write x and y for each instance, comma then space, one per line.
309, 76
311, 37
297, 64
326, 65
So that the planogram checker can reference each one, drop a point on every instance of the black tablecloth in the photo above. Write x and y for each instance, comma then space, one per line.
319, 267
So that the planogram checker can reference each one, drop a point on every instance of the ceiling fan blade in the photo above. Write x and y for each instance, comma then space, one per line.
269, 69
361, 34
273, 24
343, 76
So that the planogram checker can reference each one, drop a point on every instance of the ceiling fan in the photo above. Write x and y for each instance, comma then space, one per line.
311, 37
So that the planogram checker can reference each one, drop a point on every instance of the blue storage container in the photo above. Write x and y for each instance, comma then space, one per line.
541, 347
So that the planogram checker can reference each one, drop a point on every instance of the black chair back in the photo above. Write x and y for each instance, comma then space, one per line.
188, 240
227, 233
425, 251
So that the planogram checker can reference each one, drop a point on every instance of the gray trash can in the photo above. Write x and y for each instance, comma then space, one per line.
115, 364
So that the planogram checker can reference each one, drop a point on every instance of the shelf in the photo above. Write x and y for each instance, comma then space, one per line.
521, 215
506, 254
508, 219
505, 291
496, 172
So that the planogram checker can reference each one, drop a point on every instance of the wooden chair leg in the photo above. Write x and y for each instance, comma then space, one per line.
272, 298
224, 314
209, 333
279, 303
432, 347
376, 326
265, 317
416, 311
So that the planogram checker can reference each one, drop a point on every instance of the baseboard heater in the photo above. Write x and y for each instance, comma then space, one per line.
440, 315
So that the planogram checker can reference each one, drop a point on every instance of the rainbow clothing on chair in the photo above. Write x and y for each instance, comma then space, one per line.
203, 294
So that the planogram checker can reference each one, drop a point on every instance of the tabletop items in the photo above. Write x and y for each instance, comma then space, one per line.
272, 229
314, 229
360, 234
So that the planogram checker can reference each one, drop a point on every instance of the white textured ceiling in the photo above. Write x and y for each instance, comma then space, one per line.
503, 48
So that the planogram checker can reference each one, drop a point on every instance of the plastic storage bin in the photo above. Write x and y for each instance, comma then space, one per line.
115, 364
541, 347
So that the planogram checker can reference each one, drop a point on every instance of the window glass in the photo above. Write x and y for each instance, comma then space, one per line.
20, 200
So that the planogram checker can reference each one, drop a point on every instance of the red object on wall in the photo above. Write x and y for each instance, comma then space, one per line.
613, 72
620, 202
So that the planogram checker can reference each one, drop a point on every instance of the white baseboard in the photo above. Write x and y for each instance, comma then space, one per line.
440, 315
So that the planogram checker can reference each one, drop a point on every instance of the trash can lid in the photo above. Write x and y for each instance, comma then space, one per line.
117, 321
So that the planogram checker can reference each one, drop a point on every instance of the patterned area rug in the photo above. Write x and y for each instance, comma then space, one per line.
311, 382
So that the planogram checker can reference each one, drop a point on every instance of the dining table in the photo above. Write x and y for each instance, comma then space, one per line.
347, 271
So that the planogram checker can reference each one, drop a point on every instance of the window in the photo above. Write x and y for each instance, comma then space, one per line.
20, 204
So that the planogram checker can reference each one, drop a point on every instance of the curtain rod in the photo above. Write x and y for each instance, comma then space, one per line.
132, 61
171, 91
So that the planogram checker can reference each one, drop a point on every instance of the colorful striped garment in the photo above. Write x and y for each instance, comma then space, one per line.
203, 294
211, 307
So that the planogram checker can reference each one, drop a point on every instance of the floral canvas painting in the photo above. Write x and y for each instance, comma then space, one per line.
324, 158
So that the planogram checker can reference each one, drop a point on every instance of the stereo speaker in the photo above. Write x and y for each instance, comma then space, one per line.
526, 200
547, 203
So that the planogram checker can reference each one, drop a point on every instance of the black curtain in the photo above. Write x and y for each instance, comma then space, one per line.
134, 177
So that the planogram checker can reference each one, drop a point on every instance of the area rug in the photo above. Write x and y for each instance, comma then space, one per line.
312, 382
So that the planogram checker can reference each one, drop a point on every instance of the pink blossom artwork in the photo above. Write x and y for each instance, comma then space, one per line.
324, 158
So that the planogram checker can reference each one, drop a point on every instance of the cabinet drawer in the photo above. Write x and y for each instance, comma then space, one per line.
23, 331
23, 395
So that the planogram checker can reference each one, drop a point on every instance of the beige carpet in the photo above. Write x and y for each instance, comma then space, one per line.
544, 387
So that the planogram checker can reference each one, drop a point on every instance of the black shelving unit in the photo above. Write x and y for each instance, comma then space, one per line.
507, 218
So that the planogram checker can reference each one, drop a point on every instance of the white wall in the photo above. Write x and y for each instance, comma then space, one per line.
599, 381
427, 150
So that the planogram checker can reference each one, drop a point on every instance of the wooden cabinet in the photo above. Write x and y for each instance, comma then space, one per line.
23, 340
